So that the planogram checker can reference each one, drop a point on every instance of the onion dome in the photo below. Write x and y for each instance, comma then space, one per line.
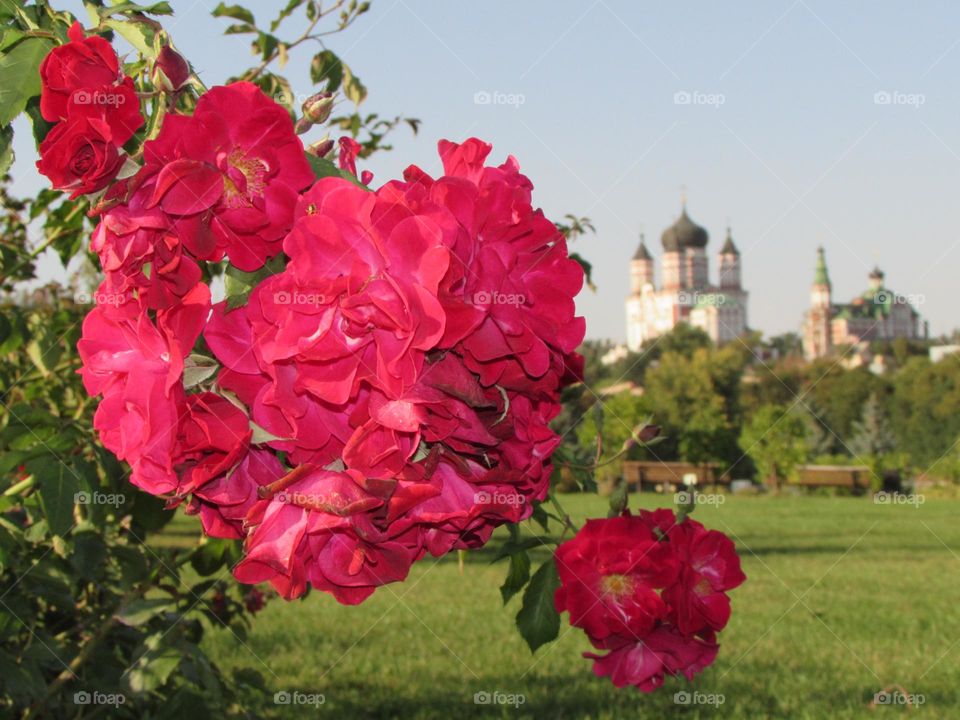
684, 233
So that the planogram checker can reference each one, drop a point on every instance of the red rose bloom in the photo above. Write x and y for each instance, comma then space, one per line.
643, 663
136, 365
80, 156
214, 435
710, 567
609, 573
224, 502
96, 110
236, 165
142, 248
315, 528
84, 63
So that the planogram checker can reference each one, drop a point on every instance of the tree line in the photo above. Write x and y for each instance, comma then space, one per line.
758, 409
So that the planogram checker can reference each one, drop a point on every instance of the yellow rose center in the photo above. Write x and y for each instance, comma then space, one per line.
616, 585
254, 172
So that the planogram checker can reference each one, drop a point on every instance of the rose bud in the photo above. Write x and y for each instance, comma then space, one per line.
316, 108
321, 148
170, 70
647, 432
302, 125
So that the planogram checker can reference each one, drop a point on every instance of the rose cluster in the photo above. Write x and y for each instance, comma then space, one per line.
95, 110
385, 387
650, 591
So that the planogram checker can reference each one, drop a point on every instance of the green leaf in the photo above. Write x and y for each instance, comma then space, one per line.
20, 76
155, 665
618, 499
325, 168
517, 576
237, 12
239, 29
40, 126
239, 284
538, 620
261, 436
6, 153
355, 90
285, 13
9, 36
212, 554
149, 512
138, 34
140, 611
160, 8
58, 486
326, 67
198, 368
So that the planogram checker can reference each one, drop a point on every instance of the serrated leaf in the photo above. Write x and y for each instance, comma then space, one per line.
9, 36
285, 13
355, 90
518, 575
538, 620
326, 67
211, 555
57, 486
140, 35
6, 153
20, 76
261, 436
325, 168
198, 368
140, 611
239, 29
238, 284
237, 12
155, 665
160, 8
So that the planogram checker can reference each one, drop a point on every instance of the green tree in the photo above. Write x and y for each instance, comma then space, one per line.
924, 408
872, 436
840, 394
685, 400
775, 439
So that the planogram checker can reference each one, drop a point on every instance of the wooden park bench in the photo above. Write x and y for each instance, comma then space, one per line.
854, 477
668, 476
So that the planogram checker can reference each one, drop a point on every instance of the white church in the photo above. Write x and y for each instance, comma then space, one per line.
685, 293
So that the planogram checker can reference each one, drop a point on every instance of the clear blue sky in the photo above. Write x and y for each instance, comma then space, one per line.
798, 154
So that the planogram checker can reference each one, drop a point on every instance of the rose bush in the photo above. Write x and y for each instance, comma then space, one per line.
377, 380
402, 364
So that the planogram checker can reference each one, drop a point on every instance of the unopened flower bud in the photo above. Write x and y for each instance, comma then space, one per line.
302, 126
170, 70
317, 108
321, 148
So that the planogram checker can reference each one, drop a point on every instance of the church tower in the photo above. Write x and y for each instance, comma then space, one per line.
641, 268
728, 262
816, 333
684, 254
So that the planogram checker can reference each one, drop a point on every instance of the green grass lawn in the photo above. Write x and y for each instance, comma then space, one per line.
843, 598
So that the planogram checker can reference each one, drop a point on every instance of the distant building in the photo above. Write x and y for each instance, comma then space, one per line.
614, 355
877, 314
939, 352
685, 293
